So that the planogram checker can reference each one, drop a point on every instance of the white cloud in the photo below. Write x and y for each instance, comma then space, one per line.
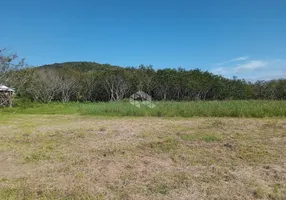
240, 58
253, 70
251, 65
219, 70
234, 60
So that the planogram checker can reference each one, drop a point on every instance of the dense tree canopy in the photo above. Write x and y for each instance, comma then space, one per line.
85, 81
90, 81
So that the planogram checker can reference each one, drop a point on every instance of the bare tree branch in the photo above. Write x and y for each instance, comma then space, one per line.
116, 87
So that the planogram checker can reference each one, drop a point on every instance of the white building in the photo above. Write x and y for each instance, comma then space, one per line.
6, 95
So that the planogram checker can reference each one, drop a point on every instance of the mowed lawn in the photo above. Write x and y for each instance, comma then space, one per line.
84, 157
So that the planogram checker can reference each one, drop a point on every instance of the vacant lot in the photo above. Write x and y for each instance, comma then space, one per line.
79, 157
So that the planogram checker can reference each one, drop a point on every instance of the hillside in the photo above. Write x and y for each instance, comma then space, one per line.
79, 66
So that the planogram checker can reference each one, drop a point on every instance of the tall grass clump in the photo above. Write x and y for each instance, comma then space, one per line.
257, 109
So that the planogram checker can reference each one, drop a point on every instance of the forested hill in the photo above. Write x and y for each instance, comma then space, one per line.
91, 81
79, 66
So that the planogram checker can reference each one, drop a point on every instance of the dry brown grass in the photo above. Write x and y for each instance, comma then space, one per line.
75, 157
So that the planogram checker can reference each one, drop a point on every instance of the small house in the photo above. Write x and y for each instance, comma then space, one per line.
6, 96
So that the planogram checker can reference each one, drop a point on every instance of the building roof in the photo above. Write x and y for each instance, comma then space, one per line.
5, 88
142, 95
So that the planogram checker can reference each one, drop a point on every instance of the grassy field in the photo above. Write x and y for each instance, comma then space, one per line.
250, 109
85, 157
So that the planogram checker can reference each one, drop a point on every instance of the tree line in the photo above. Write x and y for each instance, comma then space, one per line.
89, 81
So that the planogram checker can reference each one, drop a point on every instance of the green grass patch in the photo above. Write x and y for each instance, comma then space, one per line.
211, 138
40, 108
202, 137
251, 108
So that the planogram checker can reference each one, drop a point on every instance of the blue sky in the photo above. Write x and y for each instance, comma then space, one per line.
245, 38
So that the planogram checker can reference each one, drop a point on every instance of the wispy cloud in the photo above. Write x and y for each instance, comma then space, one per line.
251, 65
234, 60
219, 70
253, 69
239, 59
